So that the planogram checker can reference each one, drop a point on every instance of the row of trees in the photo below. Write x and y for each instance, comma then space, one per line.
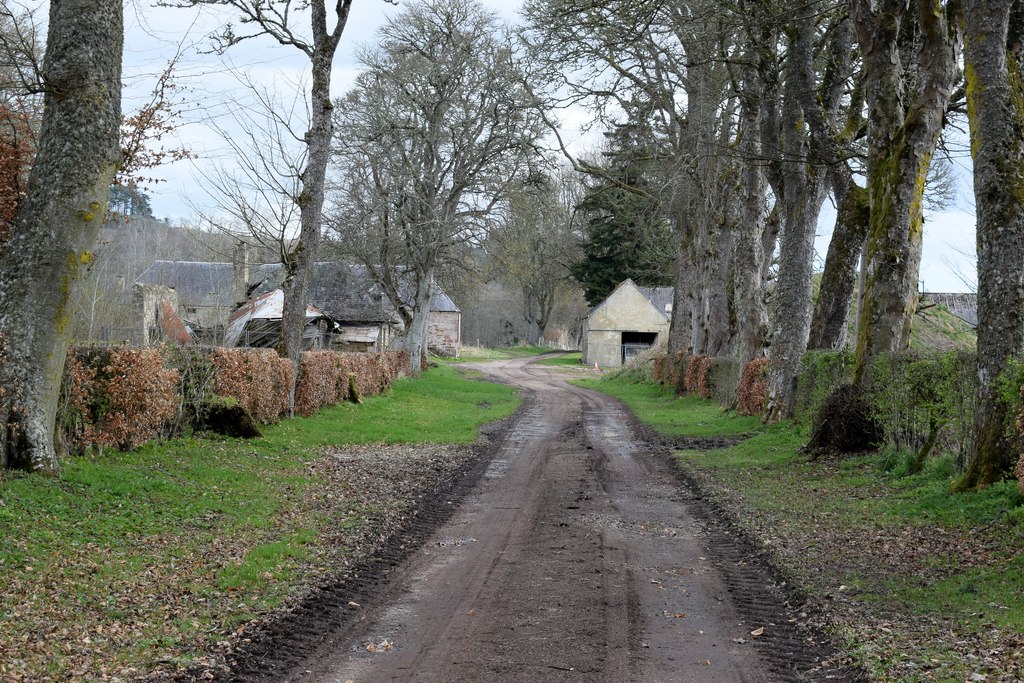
729, 127
755, 112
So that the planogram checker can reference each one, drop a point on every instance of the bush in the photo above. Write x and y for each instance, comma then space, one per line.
820, 373
752, 392
318, 382
696, 376
924, 400
119, 397
126, 396
258, 379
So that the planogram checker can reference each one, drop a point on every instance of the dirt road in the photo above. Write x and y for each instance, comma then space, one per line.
578, 556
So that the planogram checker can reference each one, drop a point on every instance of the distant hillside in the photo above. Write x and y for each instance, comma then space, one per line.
937, 329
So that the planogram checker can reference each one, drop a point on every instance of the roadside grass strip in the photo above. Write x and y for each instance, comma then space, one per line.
472, 354
132, 562
917, 583
570, 360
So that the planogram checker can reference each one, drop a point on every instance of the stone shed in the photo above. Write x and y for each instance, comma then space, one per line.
629, 321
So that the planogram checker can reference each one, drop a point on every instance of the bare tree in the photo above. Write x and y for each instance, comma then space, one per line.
533, 246
257, 194
58, 220
305, 26
993, 59
437, 132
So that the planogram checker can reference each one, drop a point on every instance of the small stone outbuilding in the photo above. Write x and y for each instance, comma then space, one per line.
631, 320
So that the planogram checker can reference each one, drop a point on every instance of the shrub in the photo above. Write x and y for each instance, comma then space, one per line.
258, 379
120, 397
844, 424
662, 369
318, 382
696, 377
924, 400
752, 392
196, 386
820, 373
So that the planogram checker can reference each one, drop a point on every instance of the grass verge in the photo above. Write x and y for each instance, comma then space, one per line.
569, 360
917, 583
470, 354
139, 561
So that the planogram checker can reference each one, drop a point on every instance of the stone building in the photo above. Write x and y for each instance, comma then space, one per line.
626, 323
361, 317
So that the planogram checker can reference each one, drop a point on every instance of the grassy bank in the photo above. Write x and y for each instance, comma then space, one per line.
136, 561
918, 584
568, 360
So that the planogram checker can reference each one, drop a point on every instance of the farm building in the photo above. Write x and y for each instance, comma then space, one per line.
629, 321
257, 323
351, 309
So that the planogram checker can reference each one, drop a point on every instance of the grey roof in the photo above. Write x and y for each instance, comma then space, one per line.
963, 305
661, 297
344, 292
347, 293
200, 283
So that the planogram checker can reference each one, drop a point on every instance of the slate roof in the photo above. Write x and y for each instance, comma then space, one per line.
200, 283
963, 305
661, 297
344, 292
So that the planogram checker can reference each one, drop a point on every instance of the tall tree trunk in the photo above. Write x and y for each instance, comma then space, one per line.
748, 286
829, 146
417, 330
718, 306
58, 222
803, 193
839, 279
903, 129
311, 203
681, 331
993, 59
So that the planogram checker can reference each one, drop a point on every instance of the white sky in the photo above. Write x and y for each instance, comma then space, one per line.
155, 34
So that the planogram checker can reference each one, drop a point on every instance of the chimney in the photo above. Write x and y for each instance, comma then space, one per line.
240, 273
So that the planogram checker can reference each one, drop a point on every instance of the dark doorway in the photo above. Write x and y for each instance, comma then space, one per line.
636, 342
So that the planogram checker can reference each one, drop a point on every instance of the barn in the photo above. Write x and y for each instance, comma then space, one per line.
626, 323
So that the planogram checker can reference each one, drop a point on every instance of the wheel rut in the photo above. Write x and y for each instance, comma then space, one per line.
577, 555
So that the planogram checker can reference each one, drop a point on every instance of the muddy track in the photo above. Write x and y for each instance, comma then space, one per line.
274, 653
578, 553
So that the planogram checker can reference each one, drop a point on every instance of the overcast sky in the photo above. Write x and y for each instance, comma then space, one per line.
155, 34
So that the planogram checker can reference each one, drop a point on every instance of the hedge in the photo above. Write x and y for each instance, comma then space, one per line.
752, 392
124, 396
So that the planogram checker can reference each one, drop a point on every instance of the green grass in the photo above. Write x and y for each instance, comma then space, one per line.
572, 360
966, 567
672, 415
222, 524
470, 354
446, 406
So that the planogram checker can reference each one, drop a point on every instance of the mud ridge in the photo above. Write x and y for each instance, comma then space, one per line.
276, 652
793, 646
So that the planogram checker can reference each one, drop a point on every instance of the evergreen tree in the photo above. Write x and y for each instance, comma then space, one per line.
627, 236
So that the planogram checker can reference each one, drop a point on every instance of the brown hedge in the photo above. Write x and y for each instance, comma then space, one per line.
125, 396
752, 393
119, 397
258, 379
696, 377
